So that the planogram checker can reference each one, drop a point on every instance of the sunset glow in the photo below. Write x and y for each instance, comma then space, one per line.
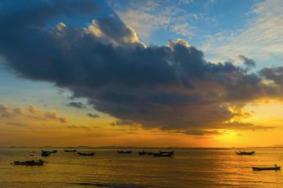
149, 73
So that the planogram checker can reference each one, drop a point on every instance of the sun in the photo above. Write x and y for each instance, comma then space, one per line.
228, 138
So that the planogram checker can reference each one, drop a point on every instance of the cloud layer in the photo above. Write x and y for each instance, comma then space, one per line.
170, 87
30, 112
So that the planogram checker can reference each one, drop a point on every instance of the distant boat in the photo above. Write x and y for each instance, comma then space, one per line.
275, 167
124, 151
45, 153
70, 150
245, 152
33, 153
164, 154
146, 153
86, 154
29, 163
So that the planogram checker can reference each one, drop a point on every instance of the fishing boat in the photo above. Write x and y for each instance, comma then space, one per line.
86, 154
124, 151
261, 168
54, 151
29, 163
145, 153
70, 150
245, 152
45, 153
142, 153
164, 154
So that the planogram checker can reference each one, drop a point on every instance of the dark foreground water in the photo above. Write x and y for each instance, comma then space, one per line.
189, 168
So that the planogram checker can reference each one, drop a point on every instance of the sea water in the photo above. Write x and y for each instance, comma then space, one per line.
108, 169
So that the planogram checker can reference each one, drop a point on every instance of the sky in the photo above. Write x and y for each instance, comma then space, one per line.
153, 73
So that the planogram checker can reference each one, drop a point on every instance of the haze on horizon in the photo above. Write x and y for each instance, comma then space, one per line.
151, 73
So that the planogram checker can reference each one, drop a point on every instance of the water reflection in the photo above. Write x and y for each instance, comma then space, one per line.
188, 168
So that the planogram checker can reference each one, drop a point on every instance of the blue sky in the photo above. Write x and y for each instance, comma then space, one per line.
197, 18
223, 29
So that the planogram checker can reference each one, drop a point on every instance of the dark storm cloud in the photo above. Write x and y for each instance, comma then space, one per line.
169, 87
273, 74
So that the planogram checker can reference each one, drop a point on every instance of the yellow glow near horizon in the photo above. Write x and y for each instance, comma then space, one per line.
228, 138
79, 129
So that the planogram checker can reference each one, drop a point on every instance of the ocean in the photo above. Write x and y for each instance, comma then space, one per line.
107, 169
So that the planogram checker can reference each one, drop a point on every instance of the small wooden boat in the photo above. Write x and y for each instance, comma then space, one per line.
45, 153
54, 151
124, 152
86, 154
275, 167
29, 163
245, 152
70, 150
145, 153
164, 154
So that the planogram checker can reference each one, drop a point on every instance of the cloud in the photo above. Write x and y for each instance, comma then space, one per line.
30, 112
113, 30
54, 116
76, 105
249, 63
78, 127
199, 132
93, 115
170, 87
261, 38
122, 122
148, 17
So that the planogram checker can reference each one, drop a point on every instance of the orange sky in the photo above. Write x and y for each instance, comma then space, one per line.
32, 126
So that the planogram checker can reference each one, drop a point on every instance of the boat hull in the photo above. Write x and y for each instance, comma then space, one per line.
266, 168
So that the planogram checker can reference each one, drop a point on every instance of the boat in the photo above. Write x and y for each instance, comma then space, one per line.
145, 153
245, 152
54, 151
164, 154
261, 168
70, 150
86, 154
45, 153
29, 163
124, 152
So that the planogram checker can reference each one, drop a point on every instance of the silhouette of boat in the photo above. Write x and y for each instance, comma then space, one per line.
70, 150
145, 153
86, 154
124, 151
32, 153
275, 167
45, 153
164, 154
245, 152
29, 163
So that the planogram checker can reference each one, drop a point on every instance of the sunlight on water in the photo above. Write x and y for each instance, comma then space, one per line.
188, 168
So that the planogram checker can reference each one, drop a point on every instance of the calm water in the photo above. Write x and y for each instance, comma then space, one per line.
189, 168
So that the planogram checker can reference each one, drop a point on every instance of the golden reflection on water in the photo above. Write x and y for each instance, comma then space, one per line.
189, 168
